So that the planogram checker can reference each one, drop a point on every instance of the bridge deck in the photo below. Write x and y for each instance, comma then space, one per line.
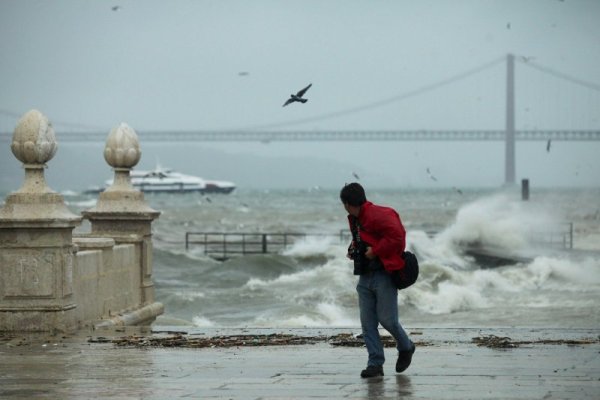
358, 135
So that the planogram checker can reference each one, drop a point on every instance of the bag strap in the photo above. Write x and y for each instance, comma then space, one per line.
354, 229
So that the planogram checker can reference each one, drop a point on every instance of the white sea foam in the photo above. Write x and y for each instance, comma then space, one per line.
545, 282
318, 296
498, 221
335, 315
565, 274
442, 290
295, 321
451, 298
439, 250
202, 322
325, 314
333, 273
190, 296
311, 246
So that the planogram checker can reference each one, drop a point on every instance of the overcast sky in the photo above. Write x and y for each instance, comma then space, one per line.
194, 65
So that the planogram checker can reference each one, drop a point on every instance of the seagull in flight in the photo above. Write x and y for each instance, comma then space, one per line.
116, 8
548, 145
356, 176
297, 96
433, 178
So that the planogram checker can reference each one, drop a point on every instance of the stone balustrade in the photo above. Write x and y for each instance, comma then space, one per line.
53, 280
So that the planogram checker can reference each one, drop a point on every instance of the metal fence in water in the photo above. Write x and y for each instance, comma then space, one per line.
223, 245
558, 237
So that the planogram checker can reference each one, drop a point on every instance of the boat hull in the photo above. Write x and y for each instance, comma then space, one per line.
163, 180
147, 189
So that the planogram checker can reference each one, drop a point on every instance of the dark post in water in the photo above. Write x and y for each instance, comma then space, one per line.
525, 189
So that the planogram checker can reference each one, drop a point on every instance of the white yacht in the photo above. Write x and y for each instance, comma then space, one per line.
167, 180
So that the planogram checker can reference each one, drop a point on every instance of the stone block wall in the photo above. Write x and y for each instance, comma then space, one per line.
53, 281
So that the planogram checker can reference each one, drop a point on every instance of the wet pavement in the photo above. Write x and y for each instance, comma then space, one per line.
501, 363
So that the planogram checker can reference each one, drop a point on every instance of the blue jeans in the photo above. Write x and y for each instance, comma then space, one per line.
378, 304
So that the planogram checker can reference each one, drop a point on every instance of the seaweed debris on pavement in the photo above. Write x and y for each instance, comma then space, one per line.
504, 342
495, 342
180, 340
250, 340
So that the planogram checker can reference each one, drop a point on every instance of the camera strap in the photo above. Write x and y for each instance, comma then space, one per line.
354, 229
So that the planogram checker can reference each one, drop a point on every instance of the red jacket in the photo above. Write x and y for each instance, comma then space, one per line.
381, 228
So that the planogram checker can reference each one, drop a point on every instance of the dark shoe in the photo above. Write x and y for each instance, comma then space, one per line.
404, 359
372, 371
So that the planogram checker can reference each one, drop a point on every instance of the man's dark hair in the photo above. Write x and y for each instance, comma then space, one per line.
353, 194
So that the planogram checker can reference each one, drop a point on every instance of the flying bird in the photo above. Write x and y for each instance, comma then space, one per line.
297, 96
548, 145
433, 178
356, 176
116, 8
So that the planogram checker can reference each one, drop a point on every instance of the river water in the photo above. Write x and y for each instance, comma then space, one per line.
310, 284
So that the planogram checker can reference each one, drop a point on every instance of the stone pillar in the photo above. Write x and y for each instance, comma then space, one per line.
36, 249
121, 212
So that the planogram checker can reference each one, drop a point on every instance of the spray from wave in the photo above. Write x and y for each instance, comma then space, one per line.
499, 221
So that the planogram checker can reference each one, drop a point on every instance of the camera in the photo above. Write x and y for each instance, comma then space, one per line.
361, 262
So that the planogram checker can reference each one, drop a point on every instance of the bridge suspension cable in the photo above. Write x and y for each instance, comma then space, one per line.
383, 102
560, 75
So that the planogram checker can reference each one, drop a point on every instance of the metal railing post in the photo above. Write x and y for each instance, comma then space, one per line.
571, 236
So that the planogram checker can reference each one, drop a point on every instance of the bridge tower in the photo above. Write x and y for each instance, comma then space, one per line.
509, 173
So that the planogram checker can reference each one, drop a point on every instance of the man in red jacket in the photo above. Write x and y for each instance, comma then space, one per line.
378, 241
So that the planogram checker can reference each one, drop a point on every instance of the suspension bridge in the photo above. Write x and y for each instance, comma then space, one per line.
77, 133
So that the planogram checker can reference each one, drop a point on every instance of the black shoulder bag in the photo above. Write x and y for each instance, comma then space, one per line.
408, 275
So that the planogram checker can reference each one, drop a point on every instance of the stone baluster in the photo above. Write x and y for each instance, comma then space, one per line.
36, 249
121, 212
